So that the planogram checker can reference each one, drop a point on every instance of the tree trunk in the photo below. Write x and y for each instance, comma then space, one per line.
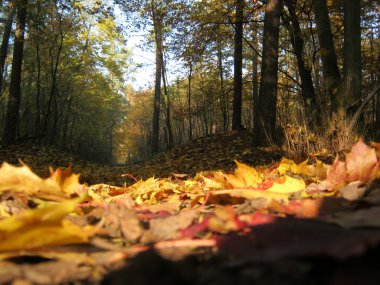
238, 65
11, 120
308, 92
168, 106
377, 122
5, 42
157, 25
327, 50
255, 75
223, 99
352, 76
265, 133
55, 61
189, 102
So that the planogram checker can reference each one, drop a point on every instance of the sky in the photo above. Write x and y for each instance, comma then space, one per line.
143, 57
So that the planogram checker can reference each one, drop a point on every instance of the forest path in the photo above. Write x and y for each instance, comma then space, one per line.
212, 152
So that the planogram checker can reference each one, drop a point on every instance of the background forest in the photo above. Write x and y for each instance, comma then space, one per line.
303, 75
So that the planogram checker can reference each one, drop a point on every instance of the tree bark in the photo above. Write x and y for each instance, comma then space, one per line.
189, 101
5, 42
238, 65
308, 92
327, 50
223, 96
157, 25
168, 106
377, 115
11, 120
264, 135
352, 71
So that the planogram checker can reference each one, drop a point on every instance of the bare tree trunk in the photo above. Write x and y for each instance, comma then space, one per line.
12, 117
327, 50
352, 72
255, 75
377, 122
308, 91
55, 61
223, 99
168, 106
157, 24
238, 65
5, 42
265, 134
189, 102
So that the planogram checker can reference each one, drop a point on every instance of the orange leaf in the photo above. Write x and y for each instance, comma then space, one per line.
361, 163
336, 175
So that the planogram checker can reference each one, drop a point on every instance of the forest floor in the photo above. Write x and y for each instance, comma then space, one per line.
214, 152
159, 233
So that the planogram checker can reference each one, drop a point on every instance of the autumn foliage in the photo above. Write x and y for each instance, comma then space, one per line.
47, 217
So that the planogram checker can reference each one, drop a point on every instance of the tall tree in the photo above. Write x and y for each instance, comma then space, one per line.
352, 67
14, 99
291, 22
327, 50
157, 25
264, 134
5, 41
377, 115
238, 65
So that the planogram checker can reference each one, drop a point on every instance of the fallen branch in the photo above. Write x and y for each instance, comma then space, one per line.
355, 117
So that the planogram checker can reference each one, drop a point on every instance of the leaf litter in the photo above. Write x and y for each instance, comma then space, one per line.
55, 230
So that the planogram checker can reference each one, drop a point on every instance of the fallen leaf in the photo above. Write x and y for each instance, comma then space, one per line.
361, 163
169, 227
42, 227
58, 187
353, 191
336, 176
290, 185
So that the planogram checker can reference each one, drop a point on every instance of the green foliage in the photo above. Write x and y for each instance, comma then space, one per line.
75, 65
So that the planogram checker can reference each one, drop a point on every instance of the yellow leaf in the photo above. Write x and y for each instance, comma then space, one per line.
51, 214
291, 185
247, 174
58, 187
44, 235
253, 194
42, 227
289, 165
211, 183
67, 181
285, 165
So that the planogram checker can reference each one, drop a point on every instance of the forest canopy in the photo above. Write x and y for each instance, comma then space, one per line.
303, 75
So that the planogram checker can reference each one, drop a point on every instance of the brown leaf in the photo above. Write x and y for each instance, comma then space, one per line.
169, 227
362, 164
120, 221
336, 175
353, 191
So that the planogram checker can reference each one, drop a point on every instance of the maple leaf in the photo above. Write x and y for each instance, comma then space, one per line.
361, 165
248, 175
42, 227
336, 176
67, 181
59, 186
289, 185
318, 170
